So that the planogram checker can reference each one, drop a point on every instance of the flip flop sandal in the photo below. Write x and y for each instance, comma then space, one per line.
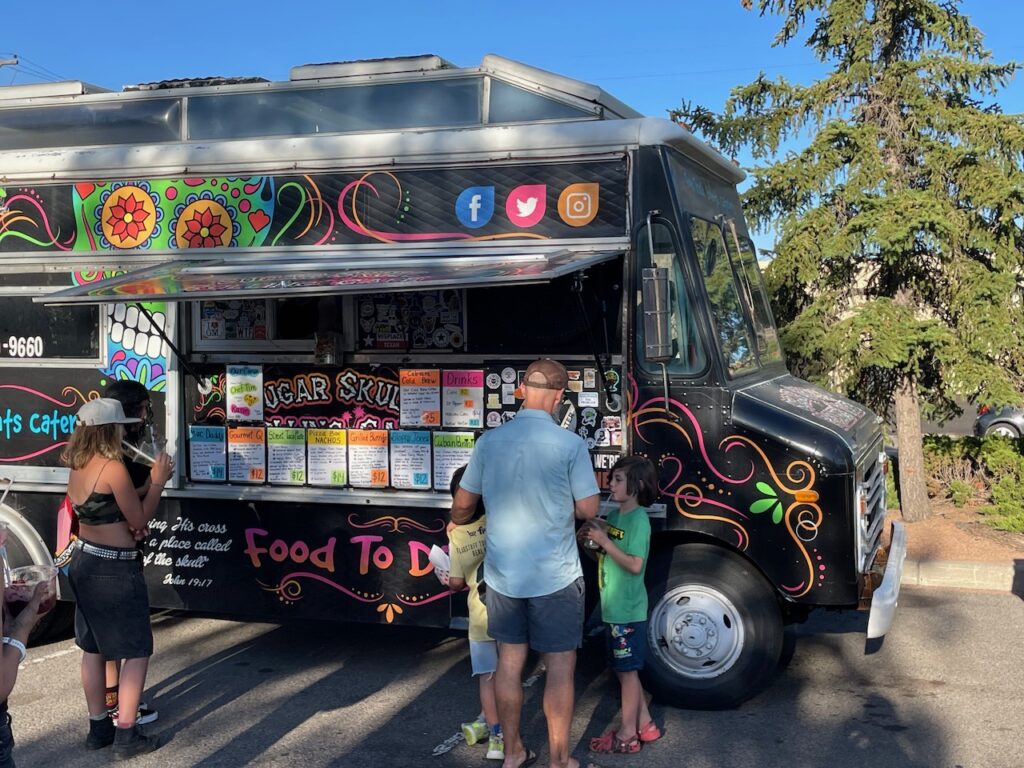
604, 745
649, 732
628, 747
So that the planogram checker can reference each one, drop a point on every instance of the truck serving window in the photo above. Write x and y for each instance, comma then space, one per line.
34, 333
689, 355
722, 282
104, 122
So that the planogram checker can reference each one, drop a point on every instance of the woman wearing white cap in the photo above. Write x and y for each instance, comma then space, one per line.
112, 611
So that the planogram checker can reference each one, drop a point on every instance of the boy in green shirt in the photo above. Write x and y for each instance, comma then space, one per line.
622, 557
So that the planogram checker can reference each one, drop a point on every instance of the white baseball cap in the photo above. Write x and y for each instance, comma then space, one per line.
104, 410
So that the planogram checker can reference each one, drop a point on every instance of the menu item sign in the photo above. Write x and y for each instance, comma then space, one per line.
244, 392
286, 455
462, 399
326, 451
410, 460
247, 456
419, 398
207, 454
368, 458
451, 451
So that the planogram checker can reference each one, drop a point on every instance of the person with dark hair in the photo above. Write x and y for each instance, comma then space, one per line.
623, 544
466, 548
105, 572
535, 478
135, 401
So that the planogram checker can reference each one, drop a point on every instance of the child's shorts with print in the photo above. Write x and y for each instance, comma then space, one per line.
627, 646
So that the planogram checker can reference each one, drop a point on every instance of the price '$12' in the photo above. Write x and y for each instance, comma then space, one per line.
23, 346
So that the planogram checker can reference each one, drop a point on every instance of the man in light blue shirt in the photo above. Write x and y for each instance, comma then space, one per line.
534, 478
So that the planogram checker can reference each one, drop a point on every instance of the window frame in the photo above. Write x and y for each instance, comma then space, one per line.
100, 360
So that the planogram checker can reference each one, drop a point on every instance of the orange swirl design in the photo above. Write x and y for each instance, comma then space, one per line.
802, 524
806, 470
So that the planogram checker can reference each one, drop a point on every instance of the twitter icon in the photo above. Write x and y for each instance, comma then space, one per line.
526, 204
475, 206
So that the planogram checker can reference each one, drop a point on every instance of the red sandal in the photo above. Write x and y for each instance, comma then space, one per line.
610, 743
649, 732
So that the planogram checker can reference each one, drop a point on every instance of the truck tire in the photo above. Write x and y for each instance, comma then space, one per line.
715, 633
25, 547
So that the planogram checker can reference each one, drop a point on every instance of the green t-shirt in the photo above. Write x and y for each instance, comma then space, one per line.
623, 595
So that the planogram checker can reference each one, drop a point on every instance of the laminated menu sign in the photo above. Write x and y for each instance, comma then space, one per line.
368, 458
247, 455
244, 391
419, 398
325, 454
451, 451
462, 399
207, 454
286, 455
410, 459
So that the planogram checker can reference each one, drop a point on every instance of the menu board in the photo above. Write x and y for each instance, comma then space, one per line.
207, 454
419, 398
410, 459
247, 456
462, 399
286, 455
368, 458
451, 451
245, 392
326, 451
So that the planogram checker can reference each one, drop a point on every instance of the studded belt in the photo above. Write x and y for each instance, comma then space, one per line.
107, 553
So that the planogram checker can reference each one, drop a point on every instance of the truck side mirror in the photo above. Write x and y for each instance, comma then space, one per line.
657, 315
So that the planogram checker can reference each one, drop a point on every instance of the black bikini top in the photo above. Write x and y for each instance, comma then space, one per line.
99, 508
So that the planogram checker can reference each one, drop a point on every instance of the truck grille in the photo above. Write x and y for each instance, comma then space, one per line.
870, 506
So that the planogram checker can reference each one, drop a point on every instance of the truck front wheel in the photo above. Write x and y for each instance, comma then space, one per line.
715, 632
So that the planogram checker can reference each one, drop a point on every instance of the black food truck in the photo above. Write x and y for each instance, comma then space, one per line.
331, 287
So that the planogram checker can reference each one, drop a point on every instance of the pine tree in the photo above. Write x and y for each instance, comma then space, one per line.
899, 274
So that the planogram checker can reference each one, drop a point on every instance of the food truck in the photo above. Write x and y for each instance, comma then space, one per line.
332, 286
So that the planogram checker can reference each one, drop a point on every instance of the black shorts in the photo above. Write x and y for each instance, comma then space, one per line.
548, 624
112, 611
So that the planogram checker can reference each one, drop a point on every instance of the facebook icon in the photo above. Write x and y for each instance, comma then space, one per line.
475, 206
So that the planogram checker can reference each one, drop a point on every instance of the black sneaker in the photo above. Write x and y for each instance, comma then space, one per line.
101, 734
144, 716
129, 742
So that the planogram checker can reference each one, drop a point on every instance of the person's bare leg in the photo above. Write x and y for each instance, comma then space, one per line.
645, 712
632, 695
488, 703
508, 692
93, 683
133, 680
559, 697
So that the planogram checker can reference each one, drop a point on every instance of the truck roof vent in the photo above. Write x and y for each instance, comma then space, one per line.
425, 63
193, 82
46, 90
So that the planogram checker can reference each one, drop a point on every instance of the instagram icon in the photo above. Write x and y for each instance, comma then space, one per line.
577, 205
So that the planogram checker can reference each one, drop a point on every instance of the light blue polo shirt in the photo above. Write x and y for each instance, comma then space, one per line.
530, 472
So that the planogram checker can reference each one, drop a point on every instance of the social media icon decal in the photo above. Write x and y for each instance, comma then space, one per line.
526, 204
577, 205
475, 206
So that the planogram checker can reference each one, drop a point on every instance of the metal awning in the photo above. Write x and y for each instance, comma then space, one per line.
242, 276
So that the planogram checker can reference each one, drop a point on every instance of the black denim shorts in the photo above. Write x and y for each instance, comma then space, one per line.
548, 624
112, 611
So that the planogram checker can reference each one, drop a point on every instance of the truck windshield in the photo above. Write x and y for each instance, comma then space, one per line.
722, 280
743, 254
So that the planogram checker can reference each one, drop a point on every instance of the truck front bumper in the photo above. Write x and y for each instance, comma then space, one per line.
886, 597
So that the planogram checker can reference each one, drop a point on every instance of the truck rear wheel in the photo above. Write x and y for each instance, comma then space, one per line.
715, 632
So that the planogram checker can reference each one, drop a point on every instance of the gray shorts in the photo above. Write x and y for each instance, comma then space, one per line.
548, 624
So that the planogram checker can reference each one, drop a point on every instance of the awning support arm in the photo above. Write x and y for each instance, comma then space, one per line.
200, 380
577, 288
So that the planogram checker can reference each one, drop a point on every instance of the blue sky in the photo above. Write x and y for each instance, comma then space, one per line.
650, 55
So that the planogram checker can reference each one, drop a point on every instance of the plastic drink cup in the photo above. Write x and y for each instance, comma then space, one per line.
598, 522
23, 583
